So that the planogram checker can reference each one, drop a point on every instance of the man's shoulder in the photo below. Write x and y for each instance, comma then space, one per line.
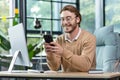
85, 32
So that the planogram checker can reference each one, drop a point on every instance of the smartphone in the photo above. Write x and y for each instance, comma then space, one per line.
48, 38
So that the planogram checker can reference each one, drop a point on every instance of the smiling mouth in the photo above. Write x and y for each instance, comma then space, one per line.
66, 28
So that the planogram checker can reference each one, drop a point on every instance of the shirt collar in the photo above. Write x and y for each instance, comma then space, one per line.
76, 37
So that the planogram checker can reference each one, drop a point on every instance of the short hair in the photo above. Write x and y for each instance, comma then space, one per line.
73, 10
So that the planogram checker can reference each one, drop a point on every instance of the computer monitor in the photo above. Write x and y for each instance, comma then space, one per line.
18, 47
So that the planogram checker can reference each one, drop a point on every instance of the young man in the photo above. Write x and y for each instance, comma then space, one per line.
74, 50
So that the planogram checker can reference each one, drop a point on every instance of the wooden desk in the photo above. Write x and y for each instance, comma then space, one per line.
60, 75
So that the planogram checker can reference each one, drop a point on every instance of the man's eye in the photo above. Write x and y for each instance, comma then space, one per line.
62, 19
68, 19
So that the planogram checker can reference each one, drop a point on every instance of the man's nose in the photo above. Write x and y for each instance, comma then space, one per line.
65, 21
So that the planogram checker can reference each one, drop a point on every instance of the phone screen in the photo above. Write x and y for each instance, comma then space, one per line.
48, 38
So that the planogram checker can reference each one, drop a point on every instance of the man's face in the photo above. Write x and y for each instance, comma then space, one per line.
69, 21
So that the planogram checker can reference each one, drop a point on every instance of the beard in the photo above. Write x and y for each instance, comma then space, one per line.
69, 28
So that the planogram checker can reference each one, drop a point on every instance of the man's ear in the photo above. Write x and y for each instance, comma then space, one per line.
78, 19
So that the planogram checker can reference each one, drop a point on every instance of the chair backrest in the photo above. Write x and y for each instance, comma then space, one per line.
107, 48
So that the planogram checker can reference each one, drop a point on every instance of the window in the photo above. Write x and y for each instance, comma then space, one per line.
87, 10
4, 14
47, 12
112, 12
4, 20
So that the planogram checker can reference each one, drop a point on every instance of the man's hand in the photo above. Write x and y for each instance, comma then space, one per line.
53, 47
57, 49
47, 48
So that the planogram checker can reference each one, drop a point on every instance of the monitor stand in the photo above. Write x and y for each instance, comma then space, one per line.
17, 53
10, 69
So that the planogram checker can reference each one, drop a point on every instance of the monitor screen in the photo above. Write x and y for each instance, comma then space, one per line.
18, 45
